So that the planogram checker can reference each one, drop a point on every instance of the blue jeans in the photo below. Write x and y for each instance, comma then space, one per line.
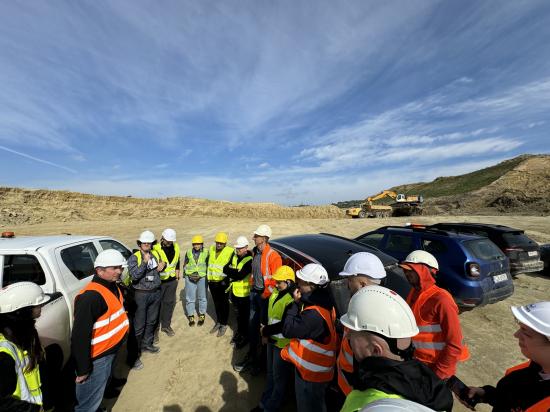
258, 310
278, 374
310, 396
90, 392
193, 290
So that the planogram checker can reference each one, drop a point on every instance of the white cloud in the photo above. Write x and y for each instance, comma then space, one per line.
37, 159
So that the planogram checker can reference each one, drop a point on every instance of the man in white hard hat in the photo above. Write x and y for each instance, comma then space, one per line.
100, 328
169, 253
440, 342
381, 327
238, 270
525, 387
361, 269
144, 267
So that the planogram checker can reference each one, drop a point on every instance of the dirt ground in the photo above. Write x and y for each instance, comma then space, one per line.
193, 370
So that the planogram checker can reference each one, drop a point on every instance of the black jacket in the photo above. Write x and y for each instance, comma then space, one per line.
235, 274
411, 379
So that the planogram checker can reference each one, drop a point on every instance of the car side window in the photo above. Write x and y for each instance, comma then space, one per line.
22, 268
372, 239
113, 244
434, 246
399, 243
79, 259
288, 261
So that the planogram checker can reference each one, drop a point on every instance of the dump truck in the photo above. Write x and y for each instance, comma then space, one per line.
403, 205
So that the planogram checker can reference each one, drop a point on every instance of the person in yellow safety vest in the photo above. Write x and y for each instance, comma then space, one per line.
219, 255
380, 329
525, 387
169, 253
310, 323
195, 268
278, 371
238, 270
20, 349
361, 269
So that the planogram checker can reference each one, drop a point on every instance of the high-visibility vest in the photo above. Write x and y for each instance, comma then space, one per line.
170, 269
431, 340
196, 266
275, 311
313, 360
28, 383
345, 364
357, 400
269, 282
541, 406
111, 327
216, 263
241, 288
128, 279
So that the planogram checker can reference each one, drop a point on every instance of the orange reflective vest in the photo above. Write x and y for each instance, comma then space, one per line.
271, 261
541, 406
111, 327
313, 360
345, 364
431, 340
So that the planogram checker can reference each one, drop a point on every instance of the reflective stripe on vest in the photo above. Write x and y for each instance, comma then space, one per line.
216, 264
541, 406
430, 341
170, 269
28, 383
345, 364
275, 311
314, 360
241, 288
111, 327
357, 400
196, 266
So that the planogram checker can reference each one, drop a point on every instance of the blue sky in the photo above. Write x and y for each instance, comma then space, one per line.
292, 102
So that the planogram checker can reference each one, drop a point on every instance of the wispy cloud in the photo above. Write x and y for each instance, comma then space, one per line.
36, 159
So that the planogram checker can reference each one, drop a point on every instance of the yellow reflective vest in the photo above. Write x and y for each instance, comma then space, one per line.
170, 269
216, 263
127, 280
28, 383
275, 311
241, 288
357, 400
198, 266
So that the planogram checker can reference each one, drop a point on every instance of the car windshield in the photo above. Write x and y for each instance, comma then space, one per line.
514, 239
484, 249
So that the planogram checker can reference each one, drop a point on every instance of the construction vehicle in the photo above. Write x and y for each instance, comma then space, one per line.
404, 205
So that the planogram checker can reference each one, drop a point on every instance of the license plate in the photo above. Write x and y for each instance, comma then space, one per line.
500, 278
533, 253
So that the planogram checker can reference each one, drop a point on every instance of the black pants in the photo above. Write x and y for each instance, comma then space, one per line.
221, 300
242, 313
146, 317
167, 302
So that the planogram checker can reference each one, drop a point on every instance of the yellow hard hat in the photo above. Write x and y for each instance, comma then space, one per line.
221, 237
197, 239
284, 273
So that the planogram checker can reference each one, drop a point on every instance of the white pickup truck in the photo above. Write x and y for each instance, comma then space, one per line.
61, 266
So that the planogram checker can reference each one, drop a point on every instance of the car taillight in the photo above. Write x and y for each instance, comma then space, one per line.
474, 270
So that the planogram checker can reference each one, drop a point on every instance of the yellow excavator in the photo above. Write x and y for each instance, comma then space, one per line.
404, 205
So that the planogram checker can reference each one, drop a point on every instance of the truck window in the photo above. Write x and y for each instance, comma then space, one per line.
399, 243
22, 268
113, 244
79, 259
372, 239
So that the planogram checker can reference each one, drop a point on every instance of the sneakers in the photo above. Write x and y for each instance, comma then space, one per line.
156, 337
138, 365
151, 348
191, 319
221, 330
215, 328
169, 331
201, 320
243, 365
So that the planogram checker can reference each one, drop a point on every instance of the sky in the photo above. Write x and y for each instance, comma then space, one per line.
307, 102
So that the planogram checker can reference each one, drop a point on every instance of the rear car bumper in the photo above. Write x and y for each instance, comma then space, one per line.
487, 294
526, 266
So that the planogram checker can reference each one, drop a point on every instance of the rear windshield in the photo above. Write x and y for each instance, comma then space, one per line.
516, 239
484, 249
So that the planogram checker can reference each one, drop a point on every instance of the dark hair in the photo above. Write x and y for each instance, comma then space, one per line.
19, 328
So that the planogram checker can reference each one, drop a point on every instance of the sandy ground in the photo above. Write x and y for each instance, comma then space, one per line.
193, 370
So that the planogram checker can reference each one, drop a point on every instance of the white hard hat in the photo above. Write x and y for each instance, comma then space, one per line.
421, 256
364, 263
535, 315
380, 310
394, 404
242, 241
263, 230
109, 257
21, 295
147, 237
314, 273
169, 235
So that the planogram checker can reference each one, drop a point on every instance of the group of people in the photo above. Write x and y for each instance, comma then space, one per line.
385, 353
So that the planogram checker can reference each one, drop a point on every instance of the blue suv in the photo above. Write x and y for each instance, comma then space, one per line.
472, 268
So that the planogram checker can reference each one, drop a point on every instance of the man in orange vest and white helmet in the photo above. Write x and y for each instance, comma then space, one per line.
439, 343
100, 327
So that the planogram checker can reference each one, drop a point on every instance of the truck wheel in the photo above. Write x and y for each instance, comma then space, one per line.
362, 214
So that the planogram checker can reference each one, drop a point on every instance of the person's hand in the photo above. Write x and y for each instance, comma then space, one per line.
296, 295
161, 266
262, 329
473, 391
265, 340
80, 379
146, 257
